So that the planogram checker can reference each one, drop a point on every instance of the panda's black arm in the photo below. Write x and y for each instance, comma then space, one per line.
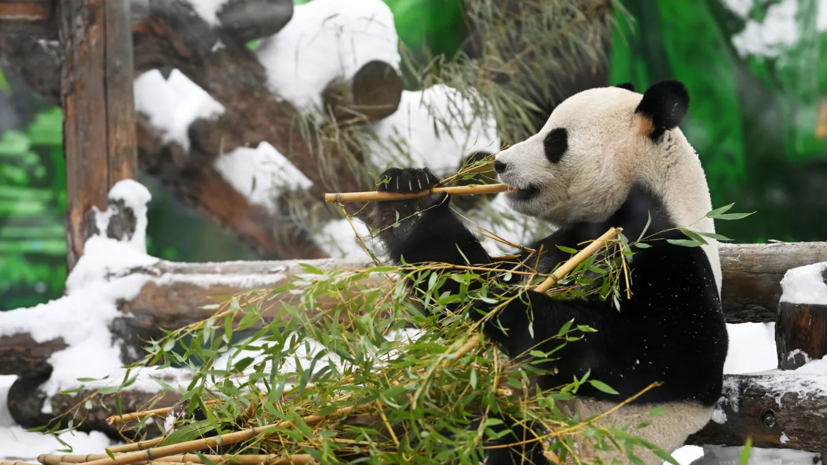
424, 230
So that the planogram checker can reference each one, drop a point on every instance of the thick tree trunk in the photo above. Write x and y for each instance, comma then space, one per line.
99, 116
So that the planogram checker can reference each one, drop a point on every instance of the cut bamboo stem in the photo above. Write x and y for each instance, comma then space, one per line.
135, 446
577, 259
157, 453
375, 196
271, 459
555, 277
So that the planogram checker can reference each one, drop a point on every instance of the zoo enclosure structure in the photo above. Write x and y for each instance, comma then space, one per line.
83, 54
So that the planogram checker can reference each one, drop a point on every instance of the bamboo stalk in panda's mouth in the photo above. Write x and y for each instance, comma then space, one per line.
375, 196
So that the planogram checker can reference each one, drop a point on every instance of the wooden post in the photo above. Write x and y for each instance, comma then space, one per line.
98, 104
800, 333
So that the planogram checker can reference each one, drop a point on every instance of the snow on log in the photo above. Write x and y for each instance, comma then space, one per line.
752, 275
171, 295
373, 93
777, 410
801, 329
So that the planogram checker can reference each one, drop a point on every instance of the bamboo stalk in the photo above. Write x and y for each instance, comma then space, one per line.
375, 196
158, 412
16, 463
135, 446
577, 259
205, 443
271, 459
558, 274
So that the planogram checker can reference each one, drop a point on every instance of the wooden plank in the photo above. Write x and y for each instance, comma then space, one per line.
96, 90
120, 102
25, 10
752, 276
786, 411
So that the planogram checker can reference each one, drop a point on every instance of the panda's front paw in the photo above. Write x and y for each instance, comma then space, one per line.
407, 180
404, 215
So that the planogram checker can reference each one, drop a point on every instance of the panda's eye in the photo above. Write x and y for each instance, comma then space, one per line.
556, 144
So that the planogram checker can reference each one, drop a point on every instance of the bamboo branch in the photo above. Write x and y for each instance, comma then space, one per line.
376, 196
270, 459
558, 274
205, 443
135, 446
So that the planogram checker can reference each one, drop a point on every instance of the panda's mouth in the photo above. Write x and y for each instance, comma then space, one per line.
524, 193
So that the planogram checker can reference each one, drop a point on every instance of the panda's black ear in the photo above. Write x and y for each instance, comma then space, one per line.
663, 107
626, 85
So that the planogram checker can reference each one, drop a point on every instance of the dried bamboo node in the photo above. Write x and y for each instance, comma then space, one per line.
376, 196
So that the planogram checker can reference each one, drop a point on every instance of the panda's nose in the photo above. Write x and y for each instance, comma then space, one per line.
500, 167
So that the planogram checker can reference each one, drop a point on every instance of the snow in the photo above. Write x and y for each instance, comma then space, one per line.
805, 285
464, 125
717, 455
821, 16
17, 444
778, 31
260, 174
751, 348
173, 104
326, 40
336, 239
783, 439
208, 9
82, 317
741, 8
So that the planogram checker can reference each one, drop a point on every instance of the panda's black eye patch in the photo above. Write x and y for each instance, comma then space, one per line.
556, 144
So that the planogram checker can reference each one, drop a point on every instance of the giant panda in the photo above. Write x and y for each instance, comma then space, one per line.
606, 157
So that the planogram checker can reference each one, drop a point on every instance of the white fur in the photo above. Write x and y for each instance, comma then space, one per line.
668, 431
606, 155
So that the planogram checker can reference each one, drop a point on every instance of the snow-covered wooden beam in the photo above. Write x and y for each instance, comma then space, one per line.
778, 410
173, 293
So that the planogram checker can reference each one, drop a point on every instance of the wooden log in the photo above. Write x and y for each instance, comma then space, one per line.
174, 293
249, 20
786, 411
752, 276
374, 93
96, 90
25, 10
800, 333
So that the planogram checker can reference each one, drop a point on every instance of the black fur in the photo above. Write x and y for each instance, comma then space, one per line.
665, 103
626, 85
555, 144
672, 329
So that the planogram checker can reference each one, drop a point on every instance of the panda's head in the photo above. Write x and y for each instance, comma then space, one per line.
595, 146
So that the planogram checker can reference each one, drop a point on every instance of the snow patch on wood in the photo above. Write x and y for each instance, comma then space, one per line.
805, 285
327, 40
261, 173
435, 128
173, 104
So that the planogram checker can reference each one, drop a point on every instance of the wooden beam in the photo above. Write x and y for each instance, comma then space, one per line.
172, 298
752, 276
97, 97
25, 10
786, 411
